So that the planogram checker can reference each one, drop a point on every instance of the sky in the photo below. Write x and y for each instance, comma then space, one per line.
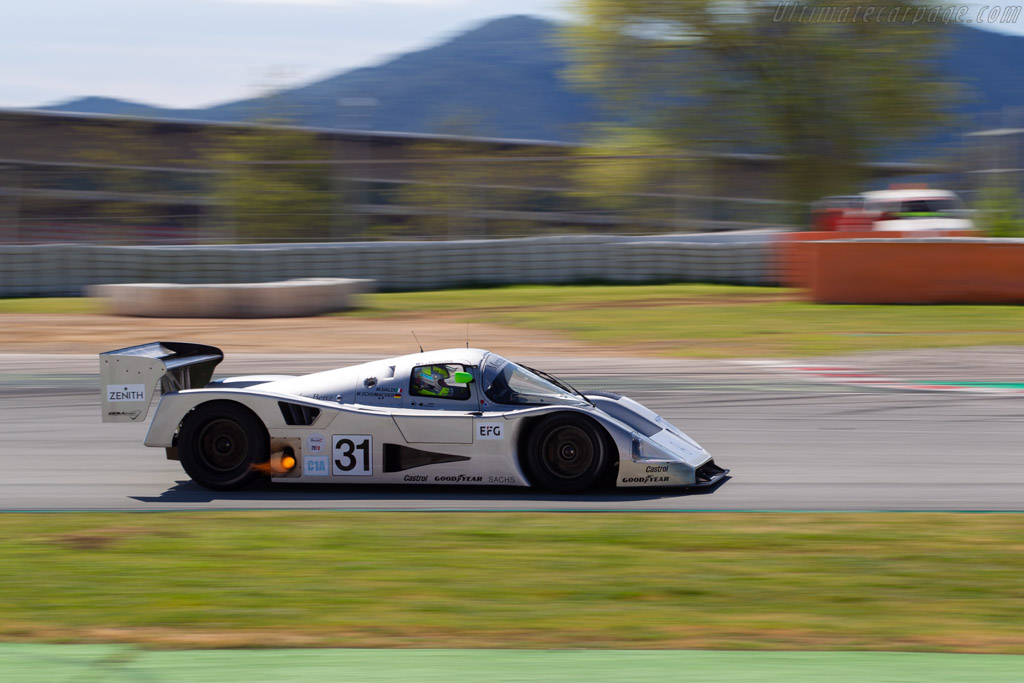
194, 53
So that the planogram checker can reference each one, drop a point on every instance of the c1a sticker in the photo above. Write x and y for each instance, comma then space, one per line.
490, 431
315, 466
315, 443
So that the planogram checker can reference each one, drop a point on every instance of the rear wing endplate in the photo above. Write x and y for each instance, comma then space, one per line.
129, 377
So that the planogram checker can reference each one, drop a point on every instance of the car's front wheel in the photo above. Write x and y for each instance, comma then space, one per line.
567, 453
221, 445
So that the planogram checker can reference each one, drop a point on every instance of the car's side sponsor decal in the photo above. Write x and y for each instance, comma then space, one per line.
352, 455
314, 466
315, 443
646, 479
126, 392
130, 414
458, 479
490, 431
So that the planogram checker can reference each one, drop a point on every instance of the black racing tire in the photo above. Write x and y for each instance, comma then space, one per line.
567, 453
221, 445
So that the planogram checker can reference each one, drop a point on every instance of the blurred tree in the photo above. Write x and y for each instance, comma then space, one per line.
817, 81
267, 188
628, 171
618, 166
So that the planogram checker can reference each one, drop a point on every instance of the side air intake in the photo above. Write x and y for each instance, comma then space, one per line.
398, 458
295, 414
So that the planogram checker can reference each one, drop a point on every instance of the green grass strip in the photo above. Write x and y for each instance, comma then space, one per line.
712, 320
899, 582
698, 320
113, 664
51, 306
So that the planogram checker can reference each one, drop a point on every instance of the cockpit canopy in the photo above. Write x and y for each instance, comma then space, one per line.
450, 379
506, 383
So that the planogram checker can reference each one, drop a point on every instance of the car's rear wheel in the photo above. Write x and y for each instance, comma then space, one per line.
567, 453
221, 445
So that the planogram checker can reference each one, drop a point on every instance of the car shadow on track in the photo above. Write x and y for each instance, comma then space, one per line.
392, 495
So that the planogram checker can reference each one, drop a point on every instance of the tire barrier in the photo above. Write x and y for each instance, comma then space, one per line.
69, 269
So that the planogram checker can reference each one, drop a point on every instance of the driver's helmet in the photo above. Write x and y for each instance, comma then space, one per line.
431, 380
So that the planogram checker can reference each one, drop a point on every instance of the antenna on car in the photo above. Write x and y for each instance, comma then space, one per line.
467, 334
417, 340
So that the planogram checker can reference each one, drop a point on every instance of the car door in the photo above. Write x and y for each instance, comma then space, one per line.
438, 408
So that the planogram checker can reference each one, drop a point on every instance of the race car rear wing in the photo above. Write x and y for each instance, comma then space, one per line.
129, 377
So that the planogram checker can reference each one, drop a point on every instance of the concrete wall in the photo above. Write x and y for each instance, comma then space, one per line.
286, 299
67, 270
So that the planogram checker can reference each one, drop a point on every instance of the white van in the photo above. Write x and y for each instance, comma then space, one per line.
924, 209
908, 210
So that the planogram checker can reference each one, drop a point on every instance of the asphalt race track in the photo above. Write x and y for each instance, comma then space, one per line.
792, 444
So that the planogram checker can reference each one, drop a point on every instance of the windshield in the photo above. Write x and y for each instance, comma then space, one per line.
930, 206
510, 384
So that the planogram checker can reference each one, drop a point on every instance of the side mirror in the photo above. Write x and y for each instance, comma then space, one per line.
462, 377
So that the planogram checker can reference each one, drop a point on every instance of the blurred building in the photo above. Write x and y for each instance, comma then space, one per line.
71, 177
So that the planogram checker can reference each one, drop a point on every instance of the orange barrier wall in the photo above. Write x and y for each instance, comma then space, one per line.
796, 257
979, 271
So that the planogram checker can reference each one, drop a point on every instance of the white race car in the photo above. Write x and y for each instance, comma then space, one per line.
456, 416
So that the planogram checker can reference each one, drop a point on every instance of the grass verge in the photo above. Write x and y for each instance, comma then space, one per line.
715, 321
56, 305
921, 581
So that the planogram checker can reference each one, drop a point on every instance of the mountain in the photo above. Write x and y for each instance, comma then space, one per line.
987, 64
108, 105
501, 79
504, 79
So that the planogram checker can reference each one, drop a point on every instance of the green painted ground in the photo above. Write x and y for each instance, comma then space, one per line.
972, 385
682, 319
112, 664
